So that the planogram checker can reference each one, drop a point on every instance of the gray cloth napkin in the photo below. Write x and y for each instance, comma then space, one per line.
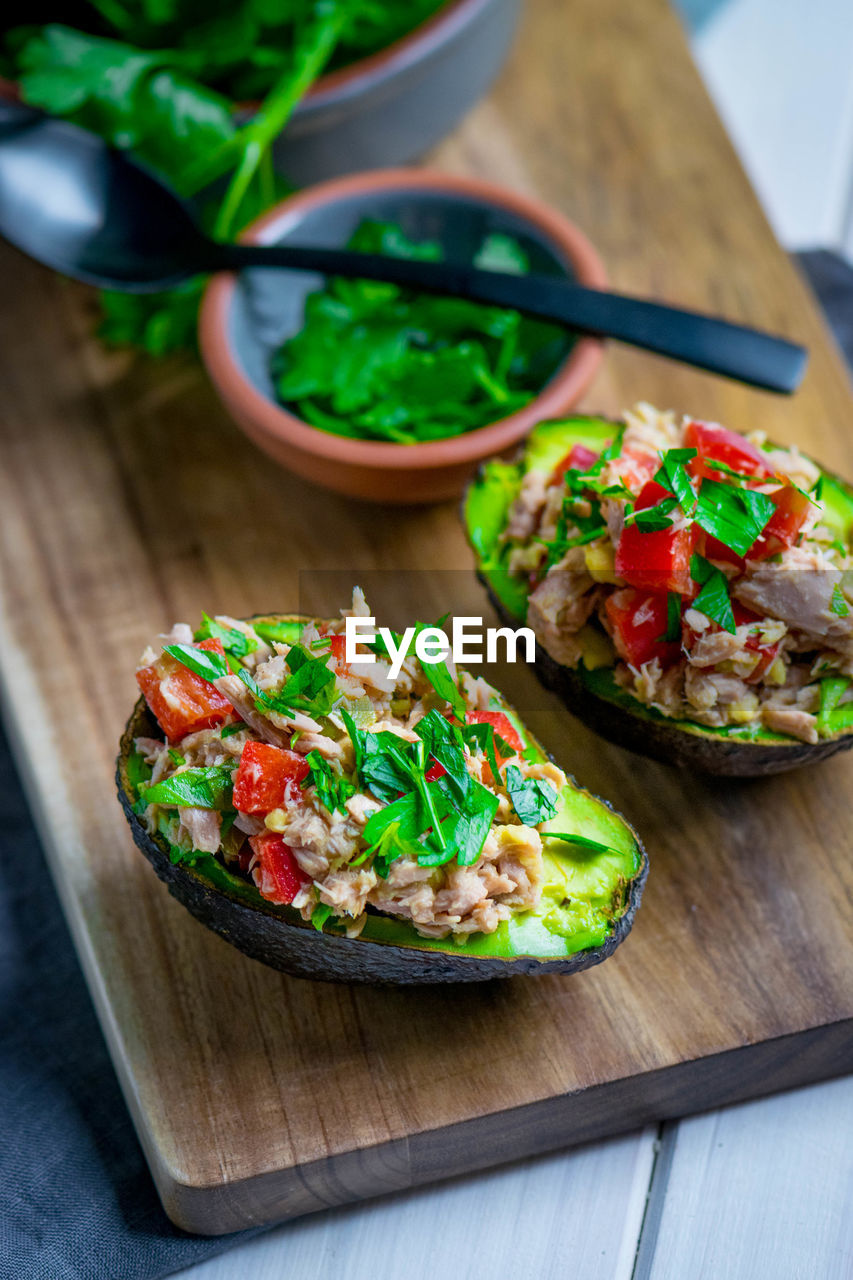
76, 1199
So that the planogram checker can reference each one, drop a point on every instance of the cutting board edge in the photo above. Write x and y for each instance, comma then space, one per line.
603, 1111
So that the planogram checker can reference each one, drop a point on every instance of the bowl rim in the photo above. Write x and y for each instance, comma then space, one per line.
424, 39
273, 420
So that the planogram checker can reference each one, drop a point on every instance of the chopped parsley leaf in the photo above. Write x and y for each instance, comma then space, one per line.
332, 789
533, 799
713, 600
838, 604
207, 787
233, 641
672, 476
673, 619
736, 517
202, 662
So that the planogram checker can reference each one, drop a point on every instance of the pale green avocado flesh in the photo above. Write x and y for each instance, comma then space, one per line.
585, 892
486, 511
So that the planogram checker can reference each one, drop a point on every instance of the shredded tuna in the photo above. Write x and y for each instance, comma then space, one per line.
203, 827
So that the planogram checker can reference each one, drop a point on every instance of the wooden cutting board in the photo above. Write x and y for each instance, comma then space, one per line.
129, 501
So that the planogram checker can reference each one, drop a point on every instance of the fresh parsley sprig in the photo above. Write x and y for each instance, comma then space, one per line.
332, 789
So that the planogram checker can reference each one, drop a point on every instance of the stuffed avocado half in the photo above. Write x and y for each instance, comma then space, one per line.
338, 822
690, 588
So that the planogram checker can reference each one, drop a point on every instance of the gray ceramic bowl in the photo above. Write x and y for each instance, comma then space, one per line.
389, 108
245, 319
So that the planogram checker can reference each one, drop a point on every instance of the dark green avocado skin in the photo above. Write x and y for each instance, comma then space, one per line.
663, 740
300, 950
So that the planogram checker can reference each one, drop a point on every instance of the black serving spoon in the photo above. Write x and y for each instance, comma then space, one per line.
87, 210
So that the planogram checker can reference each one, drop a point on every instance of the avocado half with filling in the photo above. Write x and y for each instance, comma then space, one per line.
589, 893
588, 686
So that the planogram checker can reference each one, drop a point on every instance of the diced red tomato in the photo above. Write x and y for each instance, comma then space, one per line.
433, 773
655, 561
636, 467
712, 549
268, 778
767, 652
579, 458
276, 872
722, 445
784, 526
638, 619
502, 726
338, 646
182, 701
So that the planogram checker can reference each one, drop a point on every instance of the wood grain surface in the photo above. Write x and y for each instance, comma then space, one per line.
130, 501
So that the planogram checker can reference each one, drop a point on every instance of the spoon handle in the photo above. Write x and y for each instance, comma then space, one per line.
750, 356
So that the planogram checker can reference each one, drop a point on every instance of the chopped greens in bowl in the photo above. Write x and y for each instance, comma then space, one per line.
377, 362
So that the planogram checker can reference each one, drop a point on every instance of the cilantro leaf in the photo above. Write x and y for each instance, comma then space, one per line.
582, 842
443, 744
838, 604
202, 662
332, 789
440, 678
653, 519
484, 737
533, 799
673, 619
392, 832
672, 476
207, 787
320, 915
233, 641
713, 600
736, 517
469, 827
228, 729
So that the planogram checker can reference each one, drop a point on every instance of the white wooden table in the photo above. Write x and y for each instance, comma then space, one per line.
762, 1191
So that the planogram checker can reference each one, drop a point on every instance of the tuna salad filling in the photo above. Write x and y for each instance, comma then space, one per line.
337, 790
709, 559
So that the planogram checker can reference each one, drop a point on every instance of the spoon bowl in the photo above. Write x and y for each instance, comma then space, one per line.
86, 210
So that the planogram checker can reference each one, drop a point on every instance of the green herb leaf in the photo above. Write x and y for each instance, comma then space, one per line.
734, 516
333, 790
320, 915
673, 619
838, 604
441, 680
468, 827
672, 476
228, 729
713, 600
533, 799
199, 788
233, 641
202, 662
653, 519
582, 842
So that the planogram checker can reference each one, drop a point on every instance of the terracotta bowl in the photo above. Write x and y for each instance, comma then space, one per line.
245, 319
